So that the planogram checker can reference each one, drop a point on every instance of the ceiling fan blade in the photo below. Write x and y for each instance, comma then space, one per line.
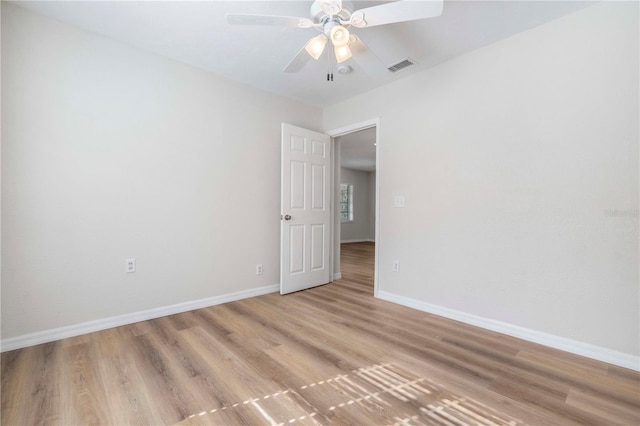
367, 60
331, 7
398, 11
281, 21
299, 61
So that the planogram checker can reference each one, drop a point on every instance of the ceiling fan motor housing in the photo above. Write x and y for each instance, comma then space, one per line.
320, 16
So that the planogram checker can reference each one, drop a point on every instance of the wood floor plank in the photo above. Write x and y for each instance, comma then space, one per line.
590, 381
330, 355
87, 385
603, 408
129, 401
46, 400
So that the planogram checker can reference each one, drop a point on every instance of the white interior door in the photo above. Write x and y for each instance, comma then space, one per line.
305, 230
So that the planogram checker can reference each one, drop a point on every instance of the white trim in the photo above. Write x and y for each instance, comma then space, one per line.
358, 240
45, 336
337, 276
568, 345
333, 221
367, 124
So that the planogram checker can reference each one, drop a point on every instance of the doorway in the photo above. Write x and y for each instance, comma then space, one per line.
356, 188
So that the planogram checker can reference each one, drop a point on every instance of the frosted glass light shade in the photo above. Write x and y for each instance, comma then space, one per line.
315, 46
342, 53
339, 36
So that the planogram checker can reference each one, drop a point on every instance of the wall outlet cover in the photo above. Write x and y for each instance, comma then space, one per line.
130, 265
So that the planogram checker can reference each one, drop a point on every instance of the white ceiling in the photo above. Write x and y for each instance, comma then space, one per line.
195, 32
358, 150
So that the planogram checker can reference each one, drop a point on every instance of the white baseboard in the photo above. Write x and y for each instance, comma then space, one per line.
105, 323
568, 345
337, 276
362, 240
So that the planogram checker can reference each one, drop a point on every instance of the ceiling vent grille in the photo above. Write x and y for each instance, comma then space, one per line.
405, 63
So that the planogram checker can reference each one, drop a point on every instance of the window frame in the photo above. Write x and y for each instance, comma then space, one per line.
348, 202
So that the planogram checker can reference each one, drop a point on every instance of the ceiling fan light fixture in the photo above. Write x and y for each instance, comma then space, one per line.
342, 53
333, 20
315, 46
339, 36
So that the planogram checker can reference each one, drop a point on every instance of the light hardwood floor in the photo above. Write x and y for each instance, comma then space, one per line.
329, 355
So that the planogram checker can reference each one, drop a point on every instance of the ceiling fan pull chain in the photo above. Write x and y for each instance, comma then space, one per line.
329, 68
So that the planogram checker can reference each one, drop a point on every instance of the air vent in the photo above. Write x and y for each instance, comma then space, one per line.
401, 65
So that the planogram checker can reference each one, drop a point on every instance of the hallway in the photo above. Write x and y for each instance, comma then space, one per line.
357, 264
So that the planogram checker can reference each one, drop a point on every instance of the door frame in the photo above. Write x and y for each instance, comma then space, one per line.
335, 249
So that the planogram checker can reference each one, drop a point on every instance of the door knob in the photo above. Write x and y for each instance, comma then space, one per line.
287, 217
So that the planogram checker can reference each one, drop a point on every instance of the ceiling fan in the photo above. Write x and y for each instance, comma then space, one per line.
333, 20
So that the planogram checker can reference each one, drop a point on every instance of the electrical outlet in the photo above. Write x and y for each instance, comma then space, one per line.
259, 269
396, 266
130, 266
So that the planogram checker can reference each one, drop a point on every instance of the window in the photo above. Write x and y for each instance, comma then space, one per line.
346, 202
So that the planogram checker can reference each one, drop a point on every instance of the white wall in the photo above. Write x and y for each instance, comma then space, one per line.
110, 153
511, 159
360, 229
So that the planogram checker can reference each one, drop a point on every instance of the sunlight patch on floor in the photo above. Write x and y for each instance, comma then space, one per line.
371, 392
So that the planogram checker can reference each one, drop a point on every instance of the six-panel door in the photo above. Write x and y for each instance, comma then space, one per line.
306, 211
